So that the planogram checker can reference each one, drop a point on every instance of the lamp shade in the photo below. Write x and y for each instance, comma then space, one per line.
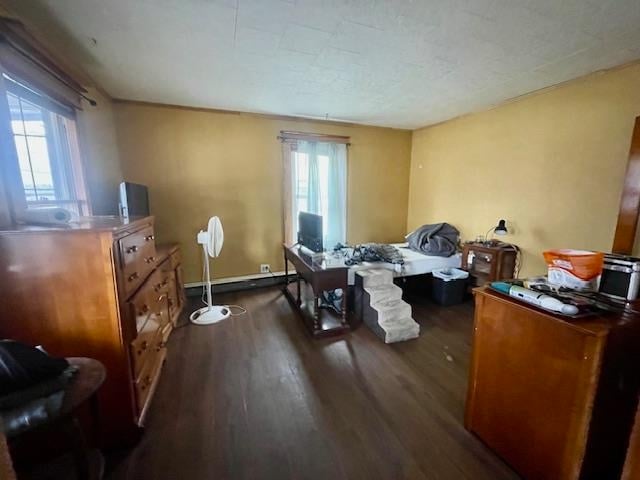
501, 228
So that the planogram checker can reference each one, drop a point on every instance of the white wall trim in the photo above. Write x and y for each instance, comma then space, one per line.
243, 278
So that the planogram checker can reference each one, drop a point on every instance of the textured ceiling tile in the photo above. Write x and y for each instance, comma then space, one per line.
356, 37
402, 63
336, 58
315, 15
253, 40
610, 17
293, 60
299, 38
272, 15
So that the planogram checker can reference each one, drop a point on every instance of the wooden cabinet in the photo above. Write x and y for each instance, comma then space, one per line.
97, 289
555, 398
489, 262
632, 463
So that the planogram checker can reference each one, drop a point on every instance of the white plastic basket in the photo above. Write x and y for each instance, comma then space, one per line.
449, 274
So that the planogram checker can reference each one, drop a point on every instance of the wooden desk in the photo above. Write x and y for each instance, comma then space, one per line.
319, 321
555, 397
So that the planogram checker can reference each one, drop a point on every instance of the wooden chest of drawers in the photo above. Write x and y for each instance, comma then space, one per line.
489, 262
555, 397
632, 463
99, 289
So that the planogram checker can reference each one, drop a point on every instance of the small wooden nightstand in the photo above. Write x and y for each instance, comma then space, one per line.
490, 261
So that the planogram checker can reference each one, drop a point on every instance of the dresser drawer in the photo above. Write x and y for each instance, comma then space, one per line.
140, 306
161, 309
164, 333
176, 259
159, 282
143, 386
143, 347
169, 277
172, 299
137, 257
145, 383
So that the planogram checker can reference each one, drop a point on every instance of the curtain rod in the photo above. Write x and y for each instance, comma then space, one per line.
45, 68
314, 137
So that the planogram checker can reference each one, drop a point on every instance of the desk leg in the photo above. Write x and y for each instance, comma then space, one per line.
316, 312
345, 295
286, 269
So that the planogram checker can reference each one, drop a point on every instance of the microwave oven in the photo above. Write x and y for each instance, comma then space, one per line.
620, 277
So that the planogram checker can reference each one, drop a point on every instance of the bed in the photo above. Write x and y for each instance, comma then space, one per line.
415, 263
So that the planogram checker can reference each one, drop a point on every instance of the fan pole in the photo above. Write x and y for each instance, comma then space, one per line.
208, 274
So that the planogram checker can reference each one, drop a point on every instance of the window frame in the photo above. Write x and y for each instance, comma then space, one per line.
66, 164
27, 58
16, 201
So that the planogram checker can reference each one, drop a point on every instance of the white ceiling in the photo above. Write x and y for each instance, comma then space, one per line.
391, 63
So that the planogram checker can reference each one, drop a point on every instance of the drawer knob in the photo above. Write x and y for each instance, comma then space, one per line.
132, 249
148, 238
150, 259
133, 276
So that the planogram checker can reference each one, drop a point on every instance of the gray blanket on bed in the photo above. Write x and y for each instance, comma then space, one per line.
437, 239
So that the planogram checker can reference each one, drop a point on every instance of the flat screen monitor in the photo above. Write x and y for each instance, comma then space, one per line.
134, 200
310, 231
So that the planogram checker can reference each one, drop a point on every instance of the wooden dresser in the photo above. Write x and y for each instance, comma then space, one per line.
555, 398
99, 289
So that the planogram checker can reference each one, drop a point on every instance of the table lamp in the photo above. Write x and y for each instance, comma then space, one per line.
499, 229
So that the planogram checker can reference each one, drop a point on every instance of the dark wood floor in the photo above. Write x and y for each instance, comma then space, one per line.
255, 398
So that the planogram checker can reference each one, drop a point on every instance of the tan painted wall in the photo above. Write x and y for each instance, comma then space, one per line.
552, 164
97, 137
203, 163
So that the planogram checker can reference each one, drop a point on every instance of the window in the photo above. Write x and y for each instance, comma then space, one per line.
318, 176
46, 148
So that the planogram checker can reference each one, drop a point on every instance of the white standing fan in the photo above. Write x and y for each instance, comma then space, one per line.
211, 242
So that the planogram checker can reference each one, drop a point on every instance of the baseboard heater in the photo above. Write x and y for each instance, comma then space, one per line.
236, 284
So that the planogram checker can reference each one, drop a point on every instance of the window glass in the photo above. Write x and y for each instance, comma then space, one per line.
49, 174
319, 172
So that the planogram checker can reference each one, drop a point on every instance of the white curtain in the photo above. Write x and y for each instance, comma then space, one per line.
319, 185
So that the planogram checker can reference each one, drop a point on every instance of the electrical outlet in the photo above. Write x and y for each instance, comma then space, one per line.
265, 268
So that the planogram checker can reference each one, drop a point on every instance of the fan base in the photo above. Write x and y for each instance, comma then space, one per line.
210, 315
